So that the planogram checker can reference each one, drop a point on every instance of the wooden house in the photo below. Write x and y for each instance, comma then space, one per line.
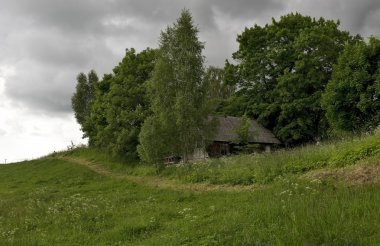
225, 136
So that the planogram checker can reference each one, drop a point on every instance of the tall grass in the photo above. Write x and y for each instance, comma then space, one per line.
54, 202
264, 168
248, 169
115, 163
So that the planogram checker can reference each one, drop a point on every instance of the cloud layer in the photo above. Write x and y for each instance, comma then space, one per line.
49, 42
45, 43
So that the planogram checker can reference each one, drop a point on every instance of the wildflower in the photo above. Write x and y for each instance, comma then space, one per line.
283, 192
152, 220
318, 181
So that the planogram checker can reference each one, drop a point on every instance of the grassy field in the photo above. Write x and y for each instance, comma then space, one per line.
327, 194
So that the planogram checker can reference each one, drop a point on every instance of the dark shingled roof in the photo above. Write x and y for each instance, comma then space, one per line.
226, 131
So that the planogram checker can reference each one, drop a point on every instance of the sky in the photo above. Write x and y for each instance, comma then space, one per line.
44, 44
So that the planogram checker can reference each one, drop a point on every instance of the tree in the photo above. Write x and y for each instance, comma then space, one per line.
78, 100
244, 135
216, 86
283, 69
242, 131
84, 95
235, 104
177, 126
352, 96
128, 105
121, 104
94, 125
93, 80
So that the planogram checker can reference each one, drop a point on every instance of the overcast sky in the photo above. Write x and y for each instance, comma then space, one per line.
44, 44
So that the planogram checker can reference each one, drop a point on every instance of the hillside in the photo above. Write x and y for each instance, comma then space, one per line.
324, 194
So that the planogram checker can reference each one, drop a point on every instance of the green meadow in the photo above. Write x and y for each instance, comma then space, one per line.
324, 194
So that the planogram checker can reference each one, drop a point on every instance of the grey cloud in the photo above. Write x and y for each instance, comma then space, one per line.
50, 41
69, 15
41, 90
48, 87
54, 49
357, 13
355, 16
247, 8
372, 24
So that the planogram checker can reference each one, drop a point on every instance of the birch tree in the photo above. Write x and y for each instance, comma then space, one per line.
177, 126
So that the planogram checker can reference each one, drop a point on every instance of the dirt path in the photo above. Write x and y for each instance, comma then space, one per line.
159, 182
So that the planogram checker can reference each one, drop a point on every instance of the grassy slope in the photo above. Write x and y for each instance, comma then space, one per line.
52, 201
258, 169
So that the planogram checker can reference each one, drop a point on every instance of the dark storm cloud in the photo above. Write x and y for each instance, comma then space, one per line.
248, 9
50, 42
42, 89
355, 16
68, 15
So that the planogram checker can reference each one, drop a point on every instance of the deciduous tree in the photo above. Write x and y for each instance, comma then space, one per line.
177, 126
121, 104
84, 95
352, 96
283, 69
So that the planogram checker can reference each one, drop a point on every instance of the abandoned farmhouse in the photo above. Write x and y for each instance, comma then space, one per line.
223, 141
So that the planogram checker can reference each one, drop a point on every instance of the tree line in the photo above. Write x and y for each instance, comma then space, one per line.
301, 77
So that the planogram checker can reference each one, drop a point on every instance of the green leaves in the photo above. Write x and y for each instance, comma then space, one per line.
128, 104
84, 95
283, 70
351, 99
177, 94
121, 105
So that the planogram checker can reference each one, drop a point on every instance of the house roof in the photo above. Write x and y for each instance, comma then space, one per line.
226, 131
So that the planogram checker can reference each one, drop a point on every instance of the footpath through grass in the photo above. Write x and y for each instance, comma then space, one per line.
58, 202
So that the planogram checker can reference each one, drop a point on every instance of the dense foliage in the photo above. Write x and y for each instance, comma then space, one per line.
177, 92
302, 78
352, 97
121, 105
217, 86
282, 71
96, 122
84, 95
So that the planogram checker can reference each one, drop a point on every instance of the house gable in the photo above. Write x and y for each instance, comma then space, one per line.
226, 131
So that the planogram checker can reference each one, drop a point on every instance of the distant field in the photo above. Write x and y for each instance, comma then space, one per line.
327, 194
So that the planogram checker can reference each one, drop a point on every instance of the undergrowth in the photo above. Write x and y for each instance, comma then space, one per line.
265, 168
248, 169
